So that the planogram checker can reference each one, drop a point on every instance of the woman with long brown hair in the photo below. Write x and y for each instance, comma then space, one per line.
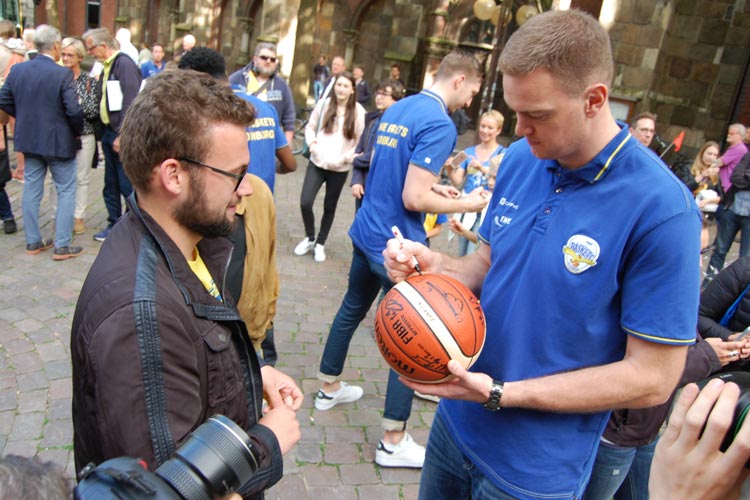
332, 135
707, 188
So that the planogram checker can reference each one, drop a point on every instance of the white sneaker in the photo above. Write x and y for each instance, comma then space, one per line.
304, 246
320, 253
346, 394
407, 453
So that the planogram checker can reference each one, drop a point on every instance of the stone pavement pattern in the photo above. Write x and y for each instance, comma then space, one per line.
335, 457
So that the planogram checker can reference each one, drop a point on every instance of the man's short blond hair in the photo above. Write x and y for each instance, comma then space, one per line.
570, 44
459, 62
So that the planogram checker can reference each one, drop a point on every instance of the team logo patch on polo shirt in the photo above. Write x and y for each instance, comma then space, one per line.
580, 253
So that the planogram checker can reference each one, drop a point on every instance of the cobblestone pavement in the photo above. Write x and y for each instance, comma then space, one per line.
335, 457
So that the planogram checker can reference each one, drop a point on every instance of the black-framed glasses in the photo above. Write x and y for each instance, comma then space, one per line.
237, 177
268, 58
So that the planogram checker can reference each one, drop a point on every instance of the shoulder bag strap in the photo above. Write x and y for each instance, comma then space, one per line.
724, 321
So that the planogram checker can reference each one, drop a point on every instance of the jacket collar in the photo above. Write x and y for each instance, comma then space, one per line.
215, 253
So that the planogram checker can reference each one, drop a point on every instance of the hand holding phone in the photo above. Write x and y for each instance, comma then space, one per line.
459, 158
742, 335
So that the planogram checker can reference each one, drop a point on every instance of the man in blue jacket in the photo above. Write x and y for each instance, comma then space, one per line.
40, 95
123, 80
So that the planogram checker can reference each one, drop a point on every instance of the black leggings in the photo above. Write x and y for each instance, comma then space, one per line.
314, 179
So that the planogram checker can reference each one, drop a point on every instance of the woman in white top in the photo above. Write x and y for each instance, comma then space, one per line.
331, 135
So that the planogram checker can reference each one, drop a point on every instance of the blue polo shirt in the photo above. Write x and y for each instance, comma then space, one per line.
148, 68
580, 260
416, 130
264, 137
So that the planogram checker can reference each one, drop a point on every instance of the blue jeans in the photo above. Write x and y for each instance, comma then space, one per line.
620, 472
447, 474
318, 89
728, 226
366, 279
64, 176
116, 183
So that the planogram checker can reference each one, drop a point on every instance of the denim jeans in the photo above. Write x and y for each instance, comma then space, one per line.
366, 279
728, 226
64, 176
447, 474
116, 183
621, 473
318, 89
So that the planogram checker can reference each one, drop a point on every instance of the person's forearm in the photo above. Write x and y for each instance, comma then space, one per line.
431, 202
630, 383
469, 270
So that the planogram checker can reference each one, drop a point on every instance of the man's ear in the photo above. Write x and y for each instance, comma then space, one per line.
595, 98
172, 176
458, 81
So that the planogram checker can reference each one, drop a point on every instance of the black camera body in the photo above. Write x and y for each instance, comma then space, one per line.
742, 379
215, 459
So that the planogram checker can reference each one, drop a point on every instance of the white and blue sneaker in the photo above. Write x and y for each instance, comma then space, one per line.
346, 394
407, 453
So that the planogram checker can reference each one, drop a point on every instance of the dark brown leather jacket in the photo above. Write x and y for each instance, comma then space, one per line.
141, 297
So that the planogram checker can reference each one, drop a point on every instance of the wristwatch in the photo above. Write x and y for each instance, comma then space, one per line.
496, 392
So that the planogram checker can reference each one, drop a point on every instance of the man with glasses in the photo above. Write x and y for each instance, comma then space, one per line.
260, 78
41, 96
643, 128
387, 92
157, 343
123, 80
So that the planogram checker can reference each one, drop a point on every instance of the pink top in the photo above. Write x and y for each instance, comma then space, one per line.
729, 160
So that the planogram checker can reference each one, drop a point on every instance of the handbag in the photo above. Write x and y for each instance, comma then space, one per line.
707, 194
5, 173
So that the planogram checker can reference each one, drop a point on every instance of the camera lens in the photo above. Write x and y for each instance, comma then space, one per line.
214, 461
742, 379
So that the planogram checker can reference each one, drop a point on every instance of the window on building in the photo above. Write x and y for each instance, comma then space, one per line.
93, 12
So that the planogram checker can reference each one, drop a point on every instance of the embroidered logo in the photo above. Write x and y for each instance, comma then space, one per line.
580, 253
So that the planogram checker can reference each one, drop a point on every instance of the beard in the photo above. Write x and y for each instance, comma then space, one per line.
264, 71
196, 216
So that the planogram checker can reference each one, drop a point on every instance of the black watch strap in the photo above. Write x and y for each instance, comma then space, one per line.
496, 393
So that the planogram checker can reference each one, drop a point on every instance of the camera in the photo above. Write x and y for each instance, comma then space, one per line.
215, 459
742, 379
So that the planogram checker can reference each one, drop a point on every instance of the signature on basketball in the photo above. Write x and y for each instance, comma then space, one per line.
430, 362
455, 304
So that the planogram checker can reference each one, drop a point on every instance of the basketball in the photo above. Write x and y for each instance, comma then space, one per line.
426, 321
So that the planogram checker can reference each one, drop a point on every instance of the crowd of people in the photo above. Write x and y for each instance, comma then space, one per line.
175, 320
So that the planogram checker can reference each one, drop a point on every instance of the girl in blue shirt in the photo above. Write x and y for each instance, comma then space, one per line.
474, 172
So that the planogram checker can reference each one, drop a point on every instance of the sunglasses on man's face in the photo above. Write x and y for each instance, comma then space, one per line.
268, 58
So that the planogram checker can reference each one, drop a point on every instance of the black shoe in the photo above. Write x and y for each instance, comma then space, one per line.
9, 226
38, 247
62, 253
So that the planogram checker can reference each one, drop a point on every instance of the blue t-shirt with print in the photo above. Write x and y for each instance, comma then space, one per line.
416, 130
580, 260
264, 137
474, 177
